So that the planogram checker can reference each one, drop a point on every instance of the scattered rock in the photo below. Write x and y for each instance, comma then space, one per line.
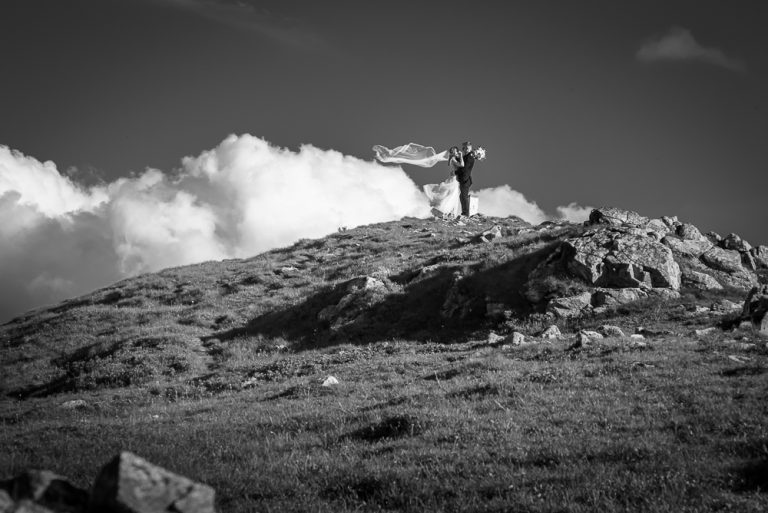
494, 337
724, 305
592, 334
43, 489
516, 339
74, 404
490, 235
574, 306
611, 331
699, 280
704, 332
581, 340
129, 484
551, 333
722, 260
637, 336
691, 248
614, 297
330, 381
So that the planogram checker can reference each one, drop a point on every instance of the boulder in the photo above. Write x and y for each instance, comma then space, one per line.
687, 231
490, 235
760, 255
516, 339
614, 297
129, 484
574, 306
616, 217
551, 333
611, 331
756, 308
44, 489
657, 225
698, 280
735, 243
722, 260
615, 258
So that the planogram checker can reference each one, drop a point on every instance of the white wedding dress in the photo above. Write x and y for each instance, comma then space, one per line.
444, 196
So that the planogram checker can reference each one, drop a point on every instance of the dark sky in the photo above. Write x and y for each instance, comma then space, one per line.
555, 90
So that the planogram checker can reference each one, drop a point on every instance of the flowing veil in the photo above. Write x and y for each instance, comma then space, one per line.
411, 153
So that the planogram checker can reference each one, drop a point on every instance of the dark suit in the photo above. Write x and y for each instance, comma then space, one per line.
464, 177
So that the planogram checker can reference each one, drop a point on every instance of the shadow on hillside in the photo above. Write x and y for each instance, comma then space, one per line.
413, 314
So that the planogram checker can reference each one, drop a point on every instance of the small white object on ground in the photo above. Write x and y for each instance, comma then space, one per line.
330, 381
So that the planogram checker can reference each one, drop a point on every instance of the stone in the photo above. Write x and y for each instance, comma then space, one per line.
568, 307
130, 484
516, 338
748, 261
698, 280
614, 297
637, 336
722, 260
490, 235
760, 256
580, 340
755, 309
73, 404
615, 217
663, 294
330, 381
551, 333
611, 331
687, 231
46, 490
704, 332
613, 258
735, 243
592, 334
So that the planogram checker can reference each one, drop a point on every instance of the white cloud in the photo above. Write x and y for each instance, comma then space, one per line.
574, 213
678, 44
503, 201
59, 240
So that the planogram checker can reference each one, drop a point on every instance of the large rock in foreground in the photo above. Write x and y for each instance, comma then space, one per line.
129, 484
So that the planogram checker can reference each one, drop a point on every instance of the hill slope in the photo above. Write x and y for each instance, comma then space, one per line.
215, 370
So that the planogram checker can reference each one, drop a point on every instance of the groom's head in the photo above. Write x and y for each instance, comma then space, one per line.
466, 147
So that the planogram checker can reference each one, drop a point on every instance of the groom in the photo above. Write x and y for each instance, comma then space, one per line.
464, 177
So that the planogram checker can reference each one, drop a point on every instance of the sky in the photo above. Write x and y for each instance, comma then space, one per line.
141, 134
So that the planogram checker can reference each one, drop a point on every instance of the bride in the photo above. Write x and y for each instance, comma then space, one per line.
444, 196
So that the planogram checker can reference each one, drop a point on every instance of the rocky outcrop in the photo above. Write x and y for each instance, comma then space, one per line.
616, 257
127, 484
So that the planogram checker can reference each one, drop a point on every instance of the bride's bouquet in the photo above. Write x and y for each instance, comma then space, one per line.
479, 153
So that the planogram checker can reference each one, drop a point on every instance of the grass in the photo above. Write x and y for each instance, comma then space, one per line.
214, 371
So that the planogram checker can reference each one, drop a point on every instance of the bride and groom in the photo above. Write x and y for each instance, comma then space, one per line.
451, 197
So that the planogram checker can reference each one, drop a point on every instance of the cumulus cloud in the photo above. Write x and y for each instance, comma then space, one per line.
678, 44
59, 239
574, 213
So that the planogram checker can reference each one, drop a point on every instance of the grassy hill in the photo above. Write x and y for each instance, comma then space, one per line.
215, 371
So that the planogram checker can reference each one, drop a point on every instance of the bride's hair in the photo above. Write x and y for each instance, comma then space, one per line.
453, 149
